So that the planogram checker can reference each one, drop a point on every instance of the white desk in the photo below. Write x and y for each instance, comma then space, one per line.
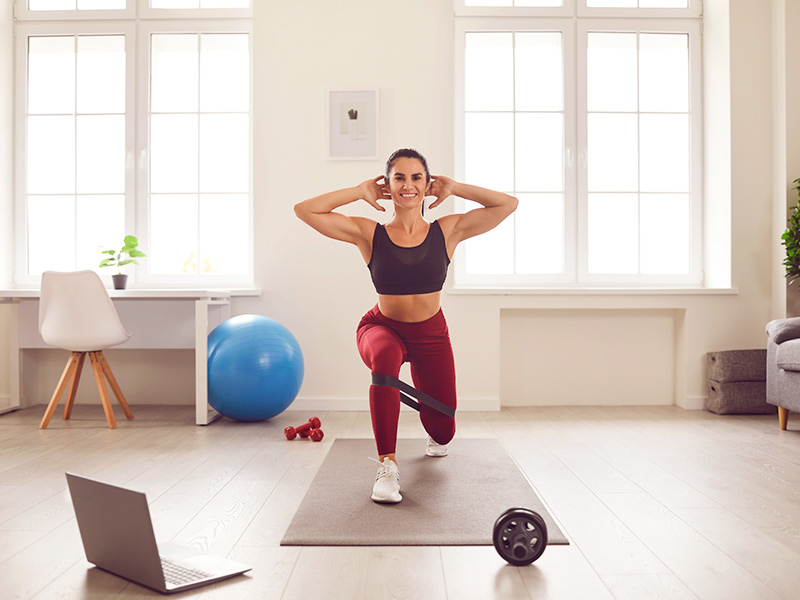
158, 319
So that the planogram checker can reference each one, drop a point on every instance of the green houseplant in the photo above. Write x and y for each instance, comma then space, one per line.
116, 259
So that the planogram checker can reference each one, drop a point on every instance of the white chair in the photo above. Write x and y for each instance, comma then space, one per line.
76, 314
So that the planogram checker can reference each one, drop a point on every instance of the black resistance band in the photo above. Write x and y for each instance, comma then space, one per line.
408, 394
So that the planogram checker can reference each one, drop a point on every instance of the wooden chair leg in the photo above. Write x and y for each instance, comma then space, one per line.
783, 417
73, 387
69, 371
99, 377
114, 385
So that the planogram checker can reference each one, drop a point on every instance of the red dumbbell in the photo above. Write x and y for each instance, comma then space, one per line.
316, 435
291, 432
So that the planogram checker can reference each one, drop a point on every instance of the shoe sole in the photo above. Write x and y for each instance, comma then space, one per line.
385, 500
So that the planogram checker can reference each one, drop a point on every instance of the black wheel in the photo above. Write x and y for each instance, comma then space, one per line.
520, 536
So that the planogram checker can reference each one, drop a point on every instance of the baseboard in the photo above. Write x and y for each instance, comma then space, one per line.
5, 404
356, 404
694, 403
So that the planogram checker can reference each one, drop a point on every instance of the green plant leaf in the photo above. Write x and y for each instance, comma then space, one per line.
126, 262
131, 240
107, 262
137, 253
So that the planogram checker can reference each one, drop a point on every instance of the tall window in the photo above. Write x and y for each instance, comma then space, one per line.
162, 152
593, 122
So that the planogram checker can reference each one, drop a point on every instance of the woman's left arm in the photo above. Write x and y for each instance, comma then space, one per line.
495, 207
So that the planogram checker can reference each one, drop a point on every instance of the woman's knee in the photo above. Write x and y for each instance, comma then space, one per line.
441, 428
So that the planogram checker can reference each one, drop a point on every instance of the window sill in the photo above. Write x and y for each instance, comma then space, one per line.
591, 291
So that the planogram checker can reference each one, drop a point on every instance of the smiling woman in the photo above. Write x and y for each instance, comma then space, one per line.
408, 259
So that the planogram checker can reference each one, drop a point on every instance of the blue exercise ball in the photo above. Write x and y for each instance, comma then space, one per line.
255, 368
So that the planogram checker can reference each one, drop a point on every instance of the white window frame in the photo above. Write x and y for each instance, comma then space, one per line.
137, 31
142, 149
569, 8
695, 275
24, 31
567, 28
574, 31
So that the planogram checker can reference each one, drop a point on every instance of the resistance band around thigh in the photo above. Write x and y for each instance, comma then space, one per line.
411, 396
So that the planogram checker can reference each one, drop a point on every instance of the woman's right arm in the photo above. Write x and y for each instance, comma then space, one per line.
319, 213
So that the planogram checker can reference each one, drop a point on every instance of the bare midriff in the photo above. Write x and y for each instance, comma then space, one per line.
412, 308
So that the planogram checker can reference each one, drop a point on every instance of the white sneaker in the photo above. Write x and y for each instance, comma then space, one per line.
387, 483
434, 449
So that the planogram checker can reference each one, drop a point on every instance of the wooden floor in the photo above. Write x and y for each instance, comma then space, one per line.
657, 502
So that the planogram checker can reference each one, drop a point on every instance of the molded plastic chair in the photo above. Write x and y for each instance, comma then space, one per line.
76, 314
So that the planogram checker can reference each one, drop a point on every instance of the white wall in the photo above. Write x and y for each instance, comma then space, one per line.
320, 288
6, 189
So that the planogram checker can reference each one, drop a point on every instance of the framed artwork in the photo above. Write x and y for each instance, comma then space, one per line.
352, 124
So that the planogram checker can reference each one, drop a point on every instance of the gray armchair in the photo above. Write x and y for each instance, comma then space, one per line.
783, 367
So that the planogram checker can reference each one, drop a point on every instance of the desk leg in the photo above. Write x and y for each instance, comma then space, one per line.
207, 315
14, 362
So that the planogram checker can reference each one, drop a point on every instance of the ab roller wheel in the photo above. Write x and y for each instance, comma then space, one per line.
520, 536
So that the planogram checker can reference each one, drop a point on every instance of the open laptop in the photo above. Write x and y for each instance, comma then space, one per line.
118, 537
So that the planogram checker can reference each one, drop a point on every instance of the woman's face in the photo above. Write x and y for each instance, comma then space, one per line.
408, 182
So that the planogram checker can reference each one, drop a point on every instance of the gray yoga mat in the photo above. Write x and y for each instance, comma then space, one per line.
449, 501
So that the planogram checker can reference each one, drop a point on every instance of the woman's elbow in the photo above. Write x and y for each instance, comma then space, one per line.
513, 202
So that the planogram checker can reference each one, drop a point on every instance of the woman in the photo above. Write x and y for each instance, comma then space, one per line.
408, 259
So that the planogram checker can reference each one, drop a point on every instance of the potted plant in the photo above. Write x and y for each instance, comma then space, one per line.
116, 259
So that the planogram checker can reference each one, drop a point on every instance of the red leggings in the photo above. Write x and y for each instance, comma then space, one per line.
384, 345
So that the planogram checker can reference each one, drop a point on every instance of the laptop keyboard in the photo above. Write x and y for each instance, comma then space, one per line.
176, 574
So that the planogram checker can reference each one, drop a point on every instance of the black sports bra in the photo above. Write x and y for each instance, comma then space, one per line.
397, 270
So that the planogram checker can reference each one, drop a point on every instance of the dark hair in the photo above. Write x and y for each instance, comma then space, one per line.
406, 153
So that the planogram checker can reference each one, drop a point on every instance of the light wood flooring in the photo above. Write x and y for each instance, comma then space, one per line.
657, 502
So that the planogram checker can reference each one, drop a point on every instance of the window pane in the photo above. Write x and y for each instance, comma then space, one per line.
611, 72
51, 233
101, 74
663, 3
613, 162
173, 234
488, 3
51, 4
539, 69
101, 4
100, 225
665, 224
224, 3
611, 3
224, 73
489, 152
175, 3
664, 72
535, 3
174, 76
489, 71
664, 153
539, 222
51, 155
491, 253
540, 151
173, 153
200, 3
224, 151
613, 243
101, 154
224, 235
51, 75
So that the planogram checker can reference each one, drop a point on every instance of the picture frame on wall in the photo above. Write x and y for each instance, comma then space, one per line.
352, 117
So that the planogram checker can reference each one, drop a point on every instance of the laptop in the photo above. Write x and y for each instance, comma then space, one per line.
118, 537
